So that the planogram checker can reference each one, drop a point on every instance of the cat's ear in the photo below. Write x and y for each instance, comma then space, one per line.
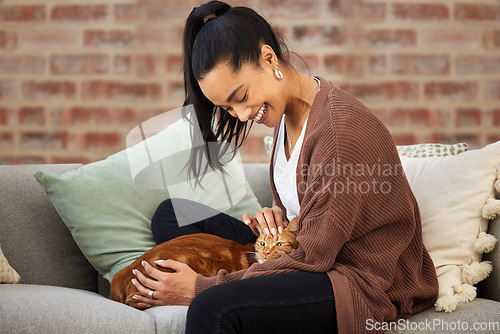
293, 226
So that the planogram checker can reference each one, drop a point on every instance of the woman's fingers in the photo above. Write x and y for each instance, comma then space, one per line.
278, 218
252, 223
267, 221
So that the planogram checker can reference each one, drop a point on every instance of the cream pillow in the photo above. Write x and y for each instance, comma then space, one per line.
452, 193
7, 273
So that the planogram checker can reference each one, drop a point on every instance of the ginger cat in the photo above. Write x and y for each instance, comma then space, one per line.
206, 254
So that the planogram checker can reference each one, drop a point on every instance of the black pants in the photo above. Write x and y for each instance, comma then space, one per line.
297, 302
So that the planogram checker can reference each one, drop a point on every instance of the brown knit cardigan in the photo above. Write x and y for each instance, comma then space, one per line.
359, 220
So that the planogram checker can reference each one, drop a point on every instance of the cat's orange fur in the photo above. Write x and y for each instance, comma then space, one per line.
206, 254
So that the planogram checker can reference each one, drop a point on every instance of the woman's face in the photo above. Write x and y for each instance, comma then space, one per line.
252, 93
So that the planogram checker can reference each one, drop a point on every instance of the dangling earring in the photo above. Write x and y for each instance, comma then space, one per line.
277, 72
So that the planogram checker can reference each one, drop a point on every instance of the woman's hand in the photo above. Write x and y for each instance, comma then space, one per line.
268, 220
175, 288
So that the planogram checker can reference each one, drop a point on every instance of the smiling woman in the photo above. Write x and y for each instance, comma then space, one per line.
357, 258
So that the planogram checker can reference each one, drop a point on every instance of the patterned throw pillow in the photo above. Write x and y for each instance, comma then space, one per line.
431, 150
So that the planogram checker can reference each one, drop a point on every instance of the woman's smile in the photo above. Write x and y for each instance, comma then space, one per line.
261, 115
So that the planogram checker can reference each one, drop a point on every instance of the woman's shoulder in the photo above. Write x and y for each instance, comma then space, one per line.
345, 122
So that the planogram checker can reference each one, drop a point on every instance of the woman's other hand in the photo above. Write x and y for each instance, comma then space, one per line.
175, 288
268, 221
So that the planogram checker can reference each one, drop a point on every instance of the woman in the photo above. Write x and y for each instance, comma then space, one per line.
360, 259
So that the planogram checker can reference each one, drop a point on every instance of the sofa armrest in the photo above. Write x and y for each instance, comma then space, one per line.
34, 239
490, 287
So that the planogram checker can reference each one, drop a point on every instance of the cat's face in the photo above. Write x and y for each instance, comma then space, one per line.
269, 247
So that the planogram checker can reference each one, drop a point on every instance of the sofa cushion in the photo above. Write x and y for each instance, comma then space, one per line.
34, 239
48, 309
490, 287
478, 316
451, 193
108, 205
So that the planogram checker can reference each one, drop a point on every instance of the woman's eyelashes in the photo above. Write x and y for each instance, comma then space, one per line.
245, 97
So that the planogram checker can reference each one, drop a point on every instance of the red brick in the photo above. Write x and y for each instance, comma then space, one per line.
151, 10
458, 38
492, 138
491, 39
80, 116
124, 116
158, 37
22, 64
32, 116
7, 89
3, 116
314, 35
384, 38
420, 12
378, 64
150, 65
472, 139
349, 65
292, 8
111, 39
467, 117
22, 13
97, 141
420, 64
120, 90
305, 63
493, 90
405, 139
79, 64
80, 13
374, 12
8, 40
496, 117
477, 65
42, 38
49, 140
7, 140
413, 117
175, 91
452, 91
477, 12
344, 9
383, 91
175, 63
41, 90
122, 64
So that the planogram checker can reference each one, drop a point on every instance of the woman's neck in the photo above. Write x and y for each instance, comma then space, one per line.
302, 90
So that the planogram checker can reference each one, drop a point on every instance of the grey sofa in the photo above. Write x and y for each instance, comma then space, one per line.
60, 292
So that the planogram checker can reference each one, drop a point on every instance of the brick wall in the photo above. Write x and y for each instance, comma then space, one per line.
76, 76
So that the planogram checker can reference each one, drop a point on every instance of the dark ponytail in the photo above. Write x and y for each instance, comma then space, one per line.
232, 34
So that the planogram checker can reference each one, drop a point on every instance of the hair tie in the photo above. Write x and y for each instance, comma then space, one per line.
209, 17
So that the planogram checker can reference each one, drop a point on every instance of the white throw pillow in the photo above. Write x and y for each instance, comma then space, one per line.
452, 192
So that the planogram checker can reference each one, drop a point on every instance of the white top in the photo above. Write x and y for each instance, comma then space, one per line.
285, 172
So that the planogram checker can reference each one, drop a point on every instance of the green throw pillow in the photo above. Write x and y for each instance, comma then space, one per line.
108, 205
